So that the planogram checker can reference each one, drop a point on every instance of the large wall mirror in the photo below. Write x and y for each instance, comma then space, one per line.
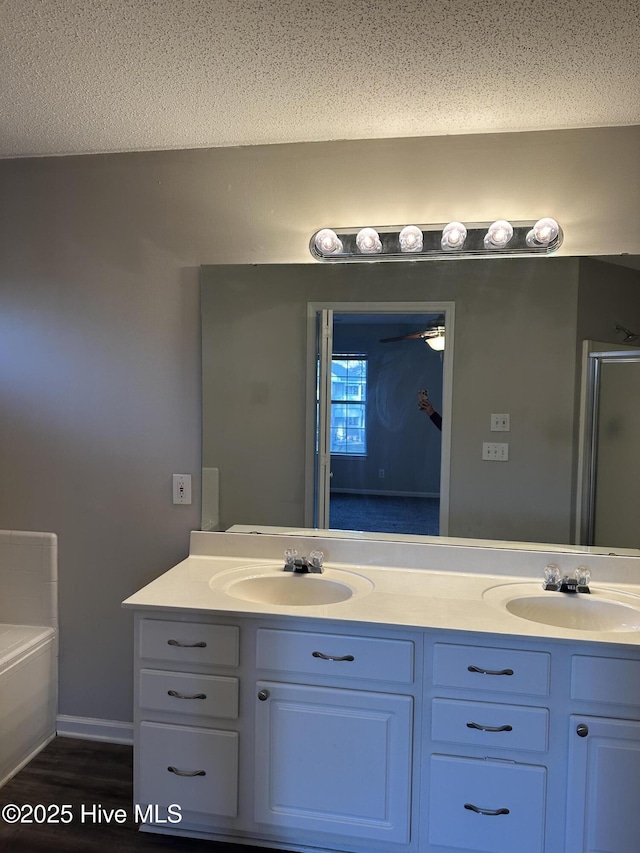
520, 324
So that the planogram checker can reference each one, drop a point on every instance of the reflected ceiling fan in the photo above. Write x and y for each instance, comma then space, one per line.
434, 335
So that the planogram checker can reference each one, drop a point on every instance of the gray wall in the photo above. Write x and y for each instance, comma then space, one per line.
99, 326
609, 295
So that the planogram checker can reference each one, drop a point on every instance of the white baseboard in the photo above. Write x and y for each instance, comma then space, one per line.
383, 493
87, 728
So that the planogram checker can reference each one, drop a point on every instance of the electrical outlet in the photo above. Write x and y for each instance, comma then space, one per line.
500, 423
182, 488
495, 452
381, 473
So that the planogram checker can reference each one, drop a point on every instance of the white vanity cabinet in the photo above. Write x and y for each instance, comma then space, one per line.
187, 702
488, 748
604, 756
334, 755
341, 736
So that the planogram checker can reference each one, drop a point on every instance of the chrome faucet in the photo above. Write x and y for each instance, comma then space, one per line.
313, 564
555, 581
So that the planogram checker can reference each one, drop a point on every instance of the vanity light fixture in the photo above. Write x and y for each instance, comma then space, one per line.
429, 242
368, 241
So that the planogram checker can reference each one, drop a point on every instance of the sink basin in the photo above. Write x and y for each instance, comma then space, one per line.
296, 590
577, 612
274, 586
602, 610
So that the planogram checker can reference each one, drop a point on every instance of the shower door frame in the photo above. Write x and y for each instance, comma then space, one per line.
594, 354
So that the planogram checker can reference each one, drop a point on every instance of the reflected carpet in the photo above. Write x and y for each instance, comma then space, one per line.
384, 514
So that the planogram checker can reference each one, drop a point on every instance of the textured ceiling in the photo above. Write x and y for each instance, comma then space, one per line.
84, 76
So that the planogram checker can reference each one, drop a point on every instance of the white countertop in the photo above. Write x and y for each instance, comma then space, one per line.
453, 596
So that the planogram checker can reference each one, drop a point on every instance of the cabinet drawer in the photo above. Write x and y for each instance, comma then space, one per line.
477, 804
189, 642
610, 680
196, 769
335, 655
482, 668
486, 724
196, 695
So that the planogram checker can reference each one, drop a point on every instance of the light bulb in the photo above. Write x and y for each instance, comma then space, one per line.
327, 242
543, 232
498, 235
410, 239
453, 236
368, 241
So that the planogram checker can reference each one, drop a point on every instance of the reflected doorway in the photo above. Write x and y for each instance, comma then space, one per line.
379, 462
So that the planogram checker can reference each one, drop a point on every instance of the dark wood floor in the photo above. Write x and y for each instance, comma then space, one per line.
80, 772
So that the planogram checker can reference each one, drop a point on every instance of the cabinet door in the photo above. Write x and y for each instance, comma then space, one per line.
603, 786
333, 760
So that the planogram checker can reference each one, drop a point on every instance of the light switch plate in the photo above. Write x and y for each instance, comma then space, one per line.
495, 451
500, 423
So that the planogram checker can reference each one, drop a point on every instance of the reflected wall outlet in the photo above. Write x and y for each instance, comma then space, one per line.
495, 452
381, 473
182, 488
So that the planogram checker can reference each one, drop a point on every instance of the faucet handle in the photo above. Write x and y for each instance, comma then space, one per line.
583, 576
290, 556
552, 574
316, 559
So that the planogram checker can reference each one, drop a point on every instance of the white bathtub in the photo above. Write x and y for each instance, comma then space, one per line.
28, 647
27, 694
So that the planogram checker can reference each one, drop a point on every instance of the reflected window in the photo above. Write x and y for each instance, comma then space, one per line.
349, 404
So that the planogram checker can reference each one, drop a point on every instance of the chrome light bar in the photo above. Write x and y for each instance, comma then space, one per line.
429, 242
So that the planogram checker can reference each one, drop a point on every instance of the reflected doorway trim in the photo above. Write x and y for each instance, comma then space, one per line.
446, 308
594, 354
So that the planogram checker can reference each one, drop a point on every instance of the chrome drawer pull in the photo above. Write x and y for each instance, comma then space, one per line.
322, 656
478, 810
186, 772
200, 645
490, 671
482, 728
177, 695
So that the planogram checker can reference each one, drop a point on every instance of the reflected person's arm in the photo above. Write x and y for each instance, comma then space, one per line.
424, 404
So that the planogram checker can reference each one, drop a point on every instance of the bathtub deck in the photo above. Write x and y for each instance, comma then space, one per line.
18, 640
